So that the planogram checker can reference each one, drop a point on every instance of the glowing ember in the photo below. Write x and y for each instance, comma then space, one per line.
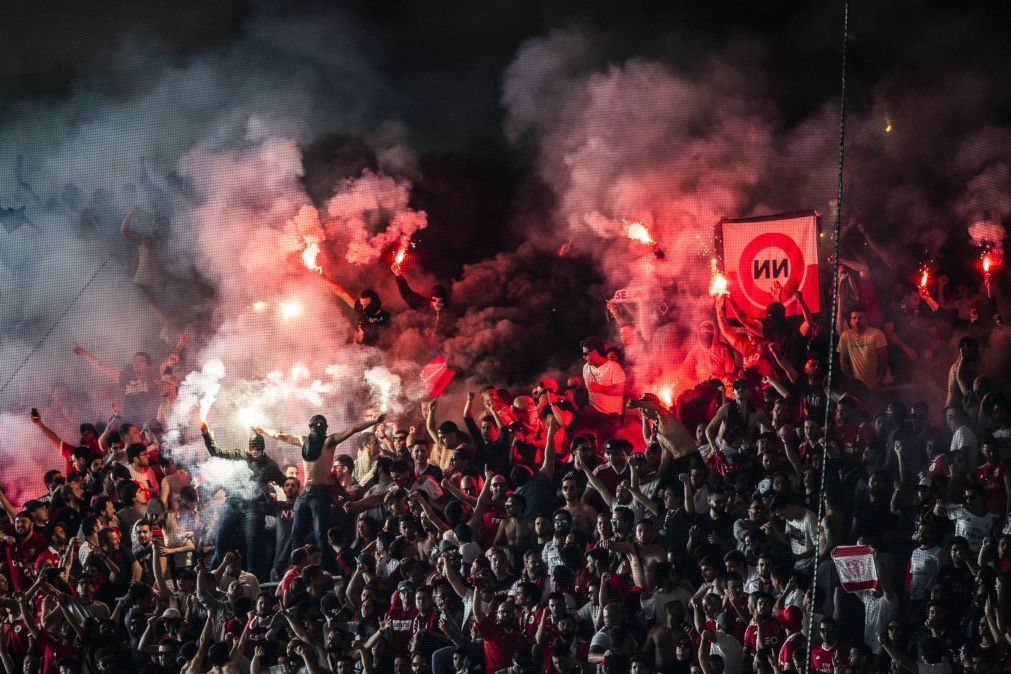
638, 232
259, 306
719, 284
310, 254
289, 309
888, 126
924, 278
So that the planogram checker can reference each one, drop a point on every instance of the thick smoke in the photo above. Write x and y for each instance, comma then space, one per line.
217, 144
678, 147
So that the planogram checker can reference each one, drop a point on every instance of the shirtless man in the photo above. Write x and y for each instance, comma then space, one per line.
584, 515
515, 530
312, 507
661, 639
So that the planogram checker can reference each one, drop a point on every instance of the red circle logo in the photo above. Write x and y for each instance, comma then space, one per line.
798, 269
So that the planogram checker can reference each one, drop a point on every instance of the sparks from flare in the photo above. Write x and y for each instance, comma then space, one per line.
310, 254
719, 284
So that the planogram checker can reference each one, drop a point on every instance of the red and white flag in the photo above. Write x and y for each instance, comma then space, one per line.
760, 253
856, 567
437, 376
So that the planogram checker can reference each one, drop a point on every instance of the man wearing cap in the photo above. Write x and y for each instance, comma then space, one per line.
246, 515
398, 623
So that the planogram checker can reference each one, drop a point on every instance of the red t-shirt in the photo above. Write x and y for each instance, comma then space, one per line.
15, 638
287, 578
791, 645
773, 635
499, 644
53, 650
403, 626
821, 657
991, 478
21, 556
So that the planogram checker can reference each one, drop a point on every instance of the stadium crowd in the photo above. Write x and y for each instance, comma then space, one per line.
551, 528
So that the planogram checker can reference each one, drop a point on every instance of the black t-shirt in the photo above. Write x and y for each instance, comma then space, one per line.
812, 400
140, 395
371, 322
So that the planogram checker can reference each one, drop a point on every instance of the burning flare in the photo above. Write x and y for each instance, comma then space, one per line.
666, 395
719, 284
310, 254
289, 309
638, 232
924, 278
987, 263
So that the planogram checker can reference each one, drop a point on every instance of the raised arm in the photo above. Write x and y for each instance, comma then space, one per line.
50, 435
430, 420
548, 464
752, 325
594, 481
105, 368
278, 435
335, 439
217, 452
890, 260
113, 424
6, 504
339, 290
413, 299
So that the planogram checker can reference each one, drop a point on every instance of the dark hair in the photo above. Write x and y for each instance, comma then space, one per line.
126, 491
594, 344
134, 450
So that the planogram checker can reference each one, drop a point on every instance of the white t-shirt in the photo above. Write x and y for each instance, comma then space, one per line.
924, 565
964, 437
974, 528
730, 649
878, 611
803, 535
608, 373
